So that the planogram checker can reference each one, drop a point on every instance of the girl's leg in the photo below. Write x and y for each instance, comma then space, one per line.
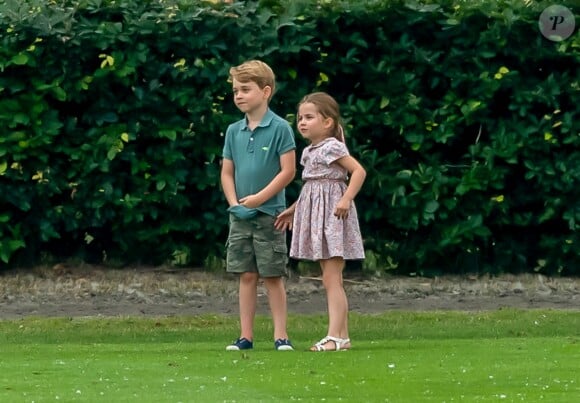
336, 299
248, 300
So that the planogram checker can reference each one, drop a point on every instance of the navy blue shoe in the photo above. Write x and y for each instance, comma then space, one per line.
283, 345
240, 344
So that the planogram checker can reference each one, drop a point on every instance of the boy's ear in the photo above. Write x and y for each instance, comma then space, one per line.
267, 91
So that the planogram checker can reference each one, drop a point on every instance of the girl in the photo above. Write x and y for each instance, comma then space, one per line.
324, 219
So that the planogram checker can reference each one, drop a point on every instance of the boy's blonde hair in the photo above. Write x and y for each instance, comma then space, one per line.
255, 71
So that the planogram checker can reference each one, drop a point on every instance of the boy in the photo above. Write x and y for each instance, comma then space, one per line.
259, 161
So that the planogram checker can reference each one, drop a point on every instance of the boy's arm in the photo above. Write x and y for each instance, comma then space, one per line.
228, 184
280, 181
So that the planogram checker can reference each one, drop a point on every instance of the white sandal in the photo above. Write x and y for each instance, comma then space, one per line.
338, 343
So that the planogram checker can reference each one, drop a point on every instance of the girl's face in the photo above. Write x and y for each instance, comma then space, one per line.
311, 124
248, 96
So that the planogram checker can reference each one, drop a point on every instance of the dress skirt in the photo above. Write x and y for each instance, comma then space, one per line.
316, 232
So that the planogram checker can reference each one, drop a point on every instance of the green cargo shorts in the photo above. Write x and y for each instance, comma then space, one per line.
254, 245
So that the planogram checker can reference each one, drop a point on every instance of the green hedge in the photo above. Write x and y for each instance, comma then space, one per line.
465, 116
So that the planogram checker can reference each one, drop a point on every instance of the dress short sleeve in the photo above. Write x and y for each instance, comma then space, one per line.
334, 150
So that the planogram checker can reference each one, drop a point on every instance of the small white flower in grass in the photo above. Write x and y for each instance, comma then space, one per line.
502, 396
491, 377
225, 378
391, 365
78, 392
322, 383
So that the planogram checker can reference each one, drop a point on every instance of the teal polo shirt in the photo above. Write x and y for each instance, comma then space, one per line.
256, 156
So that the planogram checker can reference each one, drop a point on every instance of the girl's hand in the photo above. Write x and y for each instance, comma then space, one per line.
284, 220
342, 208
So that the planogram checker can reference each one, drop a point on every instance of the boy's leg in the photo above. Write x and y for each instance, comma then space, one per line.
241, 261
278, 305
336, 298
248, 295
271, 258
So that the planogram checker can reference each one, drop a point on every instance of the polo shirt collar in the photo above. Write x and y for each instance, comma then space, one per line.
266, 120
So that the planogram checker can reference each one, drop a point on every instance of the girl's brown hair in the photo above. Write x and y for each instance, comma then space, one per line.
328, 108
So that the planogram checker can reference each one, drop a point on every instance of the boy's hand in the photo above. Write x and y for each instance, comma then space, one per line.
284, 220
251, 201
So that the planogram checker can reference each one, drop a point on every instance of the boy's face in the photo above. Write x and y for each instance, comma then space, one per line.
248, 96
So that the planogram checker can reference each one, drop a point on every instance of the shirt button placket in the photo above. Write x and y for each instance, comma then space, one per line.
251, 145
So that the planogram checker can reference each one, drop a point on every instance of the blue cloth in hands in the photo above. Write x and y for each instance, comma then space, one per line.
243, 212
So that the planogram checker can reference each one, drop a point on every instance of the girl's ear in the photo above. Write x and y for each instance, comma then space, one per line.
328, 122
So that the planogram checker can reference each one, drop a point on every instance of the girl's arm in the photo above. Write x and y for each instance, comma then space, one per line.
285, 219
357, 178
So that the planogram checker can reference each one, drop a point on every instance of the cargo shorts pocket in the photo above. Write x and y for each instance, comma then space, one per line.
239, 256
271, 256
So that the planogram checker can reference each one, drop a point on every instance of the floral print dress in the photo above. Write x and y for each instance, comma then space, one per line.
317, 233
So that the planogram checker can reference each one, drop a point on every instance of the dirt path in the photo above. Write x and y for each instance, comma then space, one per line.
95, 291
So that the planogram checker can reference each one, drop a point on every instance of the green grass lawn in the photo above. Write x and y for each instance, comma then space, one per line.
499, 356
